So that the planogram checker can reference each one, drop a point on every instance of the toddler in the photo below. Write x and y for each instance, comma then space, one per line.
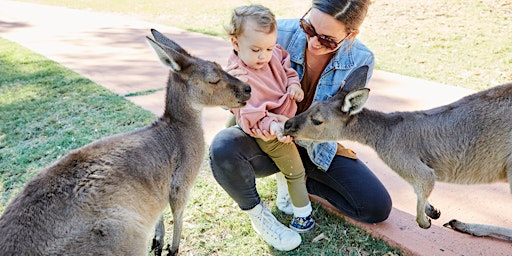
275, 89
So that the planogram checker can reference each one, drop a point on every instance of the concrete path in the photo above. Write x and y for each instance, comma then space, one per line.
110, 49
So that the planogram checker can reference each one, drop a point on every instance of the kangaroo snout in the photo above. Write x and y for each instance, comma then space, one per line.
293, 127
244, 94
288, 128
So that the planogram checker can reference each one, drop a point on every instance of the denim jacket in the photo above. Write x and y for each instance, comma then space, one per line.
293, 39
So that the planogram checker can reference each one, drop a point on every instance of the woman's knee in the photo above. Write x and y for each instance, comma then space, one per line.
224, 147
352, 188
378, 210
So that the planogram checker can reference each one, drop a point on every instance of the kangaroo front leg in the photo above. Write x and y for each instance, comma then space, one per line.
158, 239
508, 169
177, 216
423, 186
177, 200
421, 218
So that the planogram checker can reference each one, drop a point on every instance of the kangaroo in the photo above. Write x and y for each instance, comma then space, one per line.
468, 141
106, 197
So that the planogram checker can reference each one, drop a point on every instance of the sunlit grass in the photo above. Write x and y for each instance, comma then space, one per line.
47, 110
461, 43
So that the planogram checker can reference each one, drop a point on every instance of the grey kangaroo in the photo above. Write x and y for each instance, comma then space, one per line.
106, 197
468, 141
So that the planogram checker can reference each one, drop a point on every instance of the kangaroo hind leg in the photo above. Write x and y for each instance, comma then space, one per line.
480, 229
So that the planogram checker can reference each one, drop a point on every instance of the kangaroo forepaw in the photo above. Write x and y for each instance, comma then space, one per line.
171, 252
432, 212
425, 225
156, 247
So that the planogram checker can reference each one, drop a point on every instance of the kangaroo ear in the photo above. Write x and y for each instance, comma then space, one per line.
356, 79
169, 57
161, 39
354, 101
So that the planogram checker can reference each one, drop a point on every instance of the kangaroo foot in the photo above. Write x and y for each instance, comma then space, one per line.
460, 227
480, 229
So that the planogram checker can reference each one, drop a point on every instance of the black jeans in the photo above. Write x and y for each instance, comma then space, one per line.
348, 184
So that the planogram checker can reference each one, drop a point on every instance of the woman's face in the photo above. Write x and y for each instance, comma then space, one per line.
326, 25
254, 47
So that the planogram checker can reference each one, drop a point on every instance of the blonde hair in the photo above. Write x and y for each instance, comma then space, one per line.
263, 17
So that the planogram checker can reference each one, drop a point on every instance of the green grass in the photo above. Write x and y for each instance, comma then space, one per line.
462, 43
48, 110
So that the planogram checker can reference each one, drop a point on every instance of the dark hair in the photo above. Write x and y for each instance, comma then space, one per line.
349, 12
258, 13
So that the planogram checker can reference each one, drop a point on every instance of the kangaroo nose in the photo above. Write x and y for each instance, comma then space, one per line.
287, 125
247, 89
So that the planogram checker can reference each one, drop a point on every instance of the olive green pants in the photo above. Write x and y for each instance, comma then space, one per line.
286, 157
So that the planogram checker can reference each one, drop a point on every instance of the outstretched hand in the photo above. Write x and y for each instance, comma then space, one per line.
263, 134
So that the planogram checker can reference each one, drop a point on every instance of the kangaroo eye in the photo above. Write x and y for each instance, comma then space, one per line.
214, 82
316, 122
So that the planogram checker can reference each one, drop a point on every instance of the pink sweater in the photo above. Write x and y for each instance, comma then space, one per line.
268, 91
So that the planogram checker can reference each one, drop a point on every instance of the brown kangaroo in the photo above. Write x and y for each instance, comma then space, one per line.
106, 197
468, 141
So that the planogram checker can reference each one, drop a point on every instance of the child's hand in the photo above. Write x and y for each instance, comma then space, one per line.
262, 134
280, 118
296, 93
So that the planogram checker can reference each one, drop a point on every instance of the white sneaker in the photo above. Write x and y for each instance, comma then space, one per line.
271, 230
283, 201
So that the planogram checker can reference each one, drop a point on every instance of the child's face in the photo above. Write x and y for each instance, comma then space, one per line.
254, 47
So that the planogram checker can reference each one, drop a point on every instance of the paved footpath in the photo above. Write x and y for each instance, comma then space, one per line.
110, 49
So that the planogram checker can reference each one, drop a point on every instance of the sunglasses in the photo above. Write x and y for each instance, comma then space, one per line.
324, 40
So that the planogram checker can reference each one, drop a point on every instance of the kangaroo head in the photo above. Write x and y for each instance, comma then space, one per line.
325, 120
205, 82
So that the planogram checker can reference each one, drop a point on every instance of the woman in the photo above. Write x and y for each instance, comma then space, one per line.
323, 50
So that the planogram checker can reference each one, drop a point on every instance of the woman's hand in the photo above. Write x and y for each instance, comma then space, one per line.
235, 71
